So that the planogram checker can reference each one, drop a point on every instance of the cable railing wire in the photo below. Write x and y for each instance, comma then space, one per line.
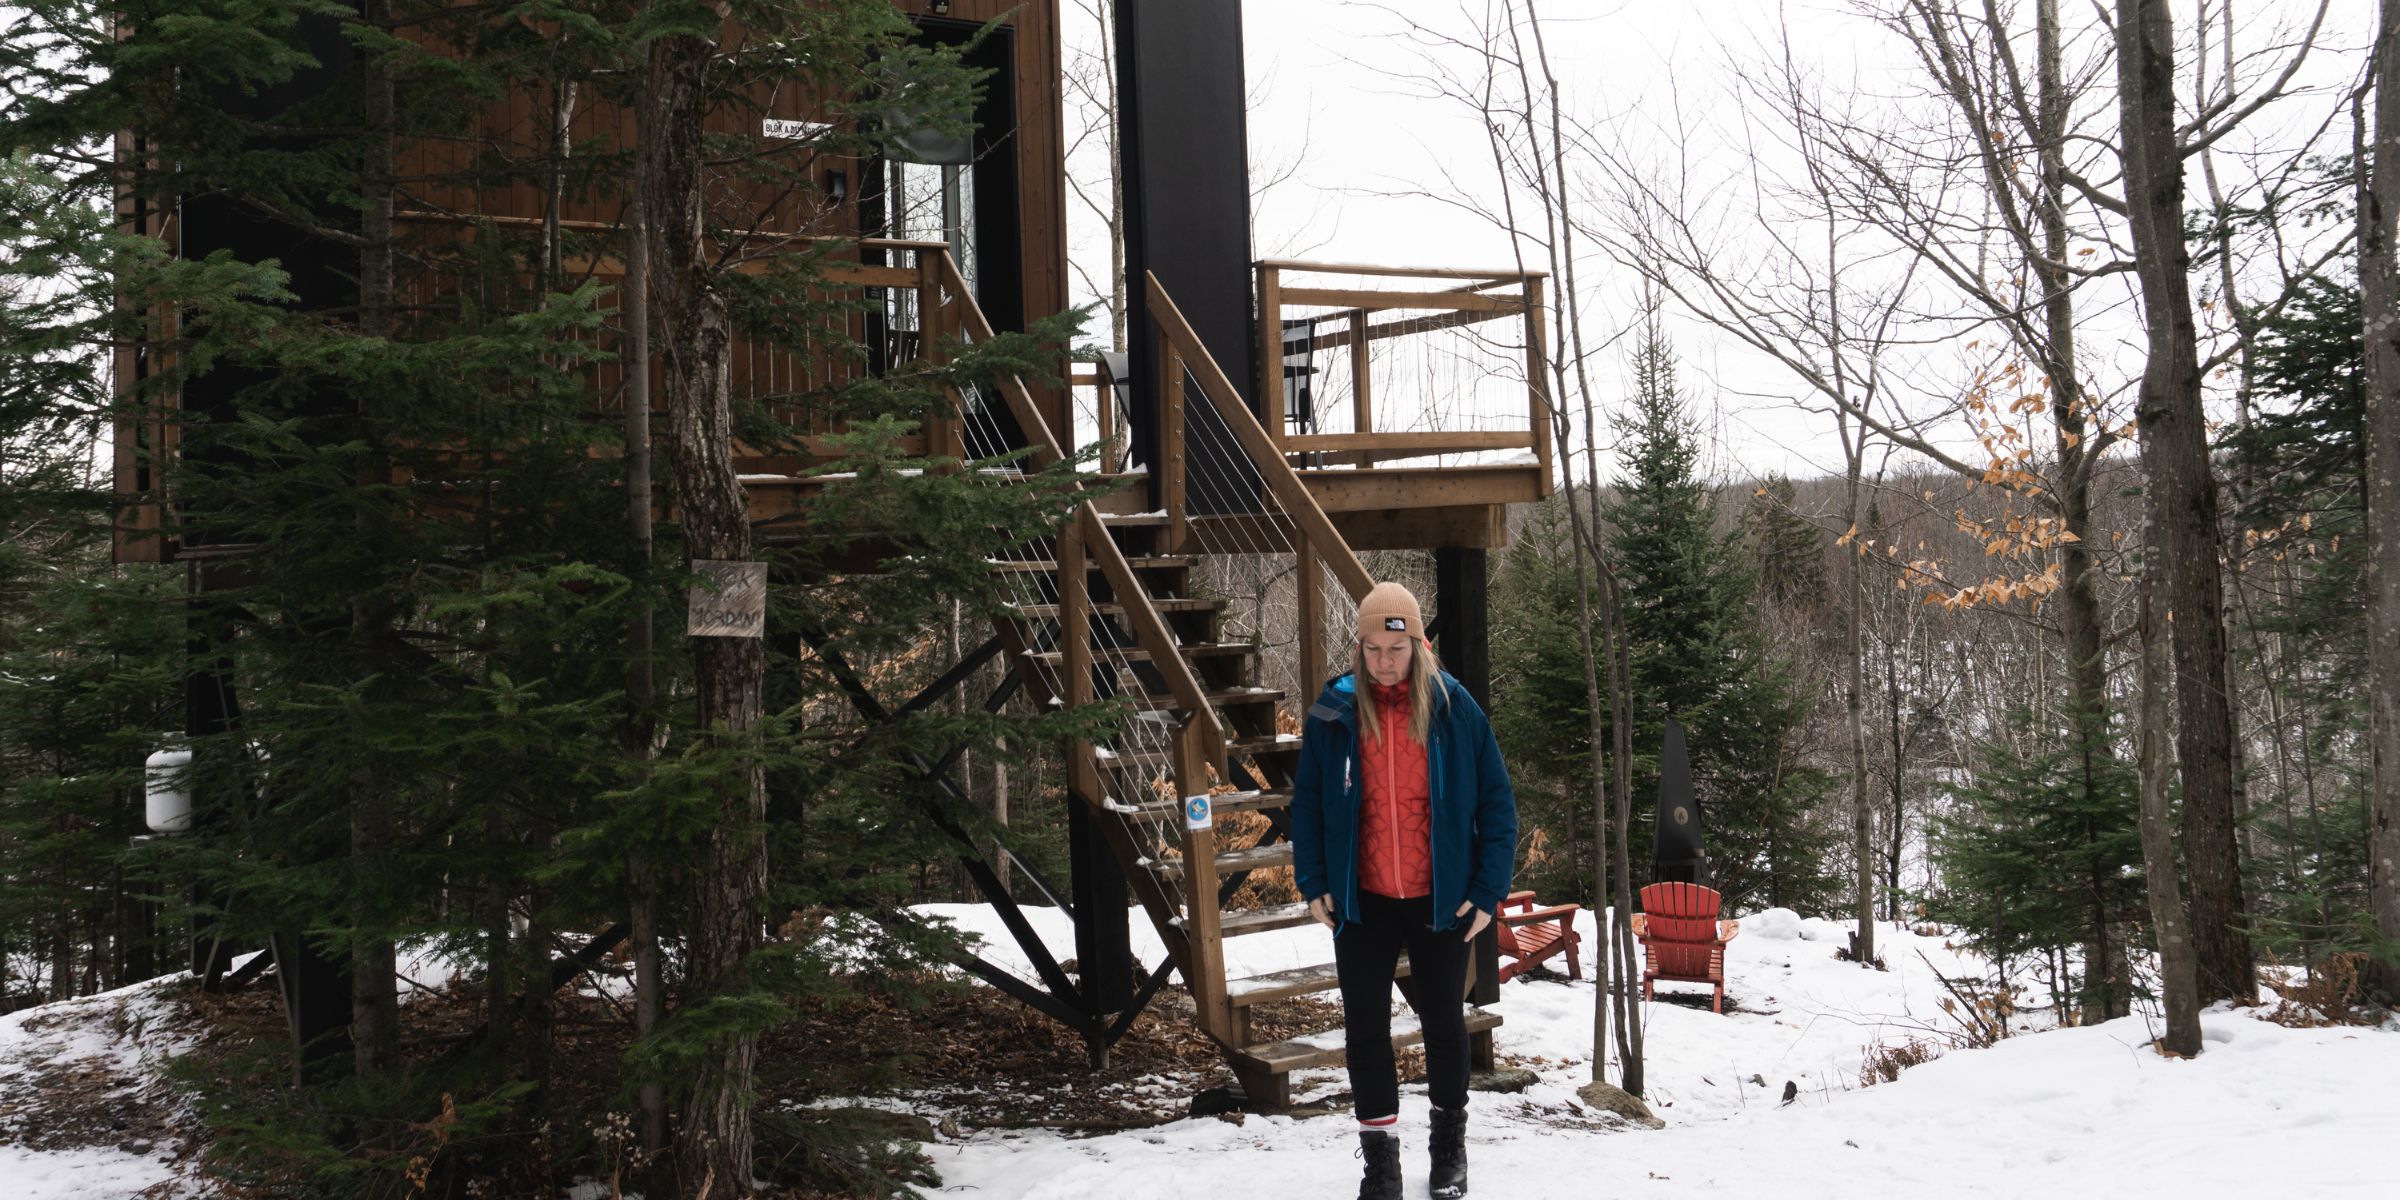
1143, 735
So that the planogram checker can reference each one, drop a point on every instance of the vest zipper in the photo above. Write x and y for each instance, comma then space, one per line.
1391, 804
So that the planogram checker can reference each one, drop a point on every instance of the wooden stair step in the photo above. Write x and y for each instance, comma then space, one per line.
1263, 920
1035, 612
1251, 858
1228, 698
1325, 1049
1236, 802
1269, 743
1283, 985
1053, 658
1225, 803
1150, 760
1150, 562
1147, 520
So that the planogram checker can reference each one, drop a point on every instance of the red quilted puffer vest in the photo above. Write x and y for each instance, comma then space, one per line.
1395, 819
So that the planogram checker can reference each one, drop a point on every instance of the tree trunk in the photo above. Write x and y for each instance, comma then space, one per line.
1895, 833
1586, 559
2079, 616
1854, 699
374, 964
2178, 964
2379, 224
2181, 499
728, 869
649, 979
1629, 974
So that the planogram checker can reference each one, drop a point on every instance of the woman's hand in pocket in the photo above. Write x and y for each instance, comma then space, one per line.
1482, 919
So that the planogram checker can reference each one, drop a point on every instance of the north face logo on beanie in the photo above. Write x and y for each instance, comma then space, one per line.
1396, 624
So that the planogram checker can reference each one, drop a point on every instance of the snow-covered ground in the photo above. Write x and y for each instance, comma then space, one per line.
81, 1044
2267, 1111
2088, 1112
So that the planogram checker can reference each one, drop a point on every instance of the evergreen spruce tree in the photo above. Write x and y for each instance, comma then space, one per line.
1789, 550
1700, 655
1540, 708
87, 651
2300, 460
2035, 862
427, 632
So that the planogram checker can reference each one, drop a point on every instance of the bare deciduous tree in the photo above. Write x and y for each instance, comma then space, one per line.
2379, 257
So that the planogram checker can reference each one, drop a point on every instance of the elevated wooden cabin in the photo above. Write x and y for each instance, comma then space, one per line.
1282, 416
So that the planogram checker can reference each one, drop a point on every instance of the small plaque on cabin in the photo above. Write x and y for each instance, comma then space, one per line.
728, 600
1683, 816
792, 131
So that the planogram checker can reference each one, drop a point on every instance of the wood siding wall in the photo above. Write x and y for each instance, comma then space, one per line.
443, 200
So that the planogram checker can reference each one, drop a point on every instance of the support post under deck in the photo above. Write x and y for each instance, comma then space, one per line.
1103, 936
1462, 631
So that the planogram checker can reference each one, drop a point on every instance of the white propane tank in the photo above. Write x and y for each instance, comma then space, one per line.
166, 790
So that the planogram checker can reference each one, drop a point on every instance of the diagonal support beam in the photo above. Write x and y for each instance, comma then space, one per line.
959, 673
1141, 1000
1053, 976
1048, 1005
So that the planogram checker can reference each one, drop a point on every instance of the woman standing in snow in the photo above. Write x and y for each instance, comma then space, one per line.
1404, 835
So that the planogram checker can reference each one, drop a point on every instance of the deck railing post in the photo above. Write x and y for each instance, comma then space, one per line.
1171, 459
1270, 351
1312, 619
1362, 390
1200, 918
929, 329
1075, 643
1105, 400
1537, 379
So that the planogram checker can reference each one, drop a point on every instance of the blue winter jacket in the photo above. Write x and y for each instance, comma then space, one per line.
1474, 809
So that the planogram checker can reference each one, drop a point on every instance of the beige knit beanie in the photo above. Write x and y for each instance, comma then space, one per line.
1390, 608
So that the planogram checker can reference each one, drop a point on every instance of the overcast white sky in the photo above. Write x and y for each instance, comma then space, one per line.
1331, 91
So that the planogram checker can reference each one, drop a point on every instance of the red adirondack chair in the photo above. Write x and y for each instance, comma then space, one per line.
1529, 934
1682, 939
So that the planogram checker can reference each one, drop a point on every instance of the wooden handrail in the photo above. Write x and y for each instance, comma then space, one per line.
1467, 303
1375, 300
1326, 268
1412, 442
1308, 518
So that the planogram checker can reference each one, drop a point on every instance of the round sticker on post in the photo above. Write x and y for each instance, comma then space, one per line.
1197, 813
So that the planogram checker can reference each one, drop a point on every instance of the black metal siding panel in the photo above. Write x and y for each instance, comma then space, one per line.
1186, 162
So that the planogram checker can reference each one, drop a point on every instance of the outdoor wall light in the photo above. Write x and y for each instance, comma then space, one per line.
837, 186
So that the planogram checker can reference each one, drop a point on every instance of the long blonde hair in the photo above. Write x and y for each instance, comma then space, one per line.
1424, 689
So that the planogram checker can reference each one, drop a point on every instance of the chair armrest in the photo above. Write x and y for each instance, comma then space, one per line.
1641, 925
1539, 915
1518, 900
1727, 931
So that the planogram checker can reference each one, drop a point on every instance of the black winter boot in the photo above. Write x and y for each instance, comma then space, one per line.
1382, 1178
1449, 1153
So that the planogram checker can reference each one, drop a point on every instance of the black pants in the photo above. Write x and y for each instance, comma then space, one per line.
1365, 953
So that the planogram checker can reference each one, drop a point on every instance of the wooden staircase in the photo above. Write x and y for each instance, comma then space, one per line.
1109, 610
